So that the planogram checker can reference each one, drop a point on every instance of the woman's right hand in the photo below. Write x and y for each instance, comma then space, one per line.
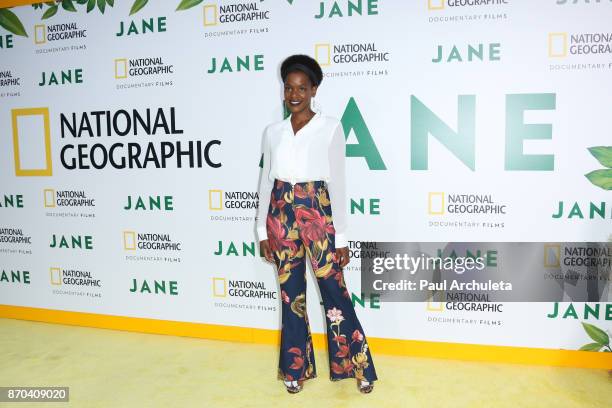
264, 248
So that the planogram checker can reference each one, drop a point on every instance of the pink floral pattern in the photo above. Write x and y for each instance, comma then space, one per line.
300, 226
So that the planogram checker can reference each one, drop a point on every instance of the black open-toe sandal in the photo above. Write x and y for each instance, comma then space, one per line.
293, 387
365, 387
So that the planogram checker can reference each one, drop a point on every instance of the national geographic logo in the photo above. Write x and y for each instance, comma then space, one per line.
243, 201
352, 55
219, 200
598, 257
31, 142
7, 79
463, 306
11, 201
562, 43
100, 152
220, 19
73, 277
56, 35
471, 303
359, 249
451, 205
67, 198
440, 203
15, 276
14, 236
552, 255
215, 14
581, 48
133, 240
141, 67
577, 256
443, 4
223, 287
493, 10
57, 32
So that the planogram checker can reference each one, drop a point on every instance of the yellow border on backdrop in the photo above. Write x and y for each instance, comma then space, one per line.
13, 3
457, 351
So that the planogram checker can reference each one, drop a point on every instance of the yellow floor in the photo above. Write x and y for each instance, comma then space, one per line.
106, 368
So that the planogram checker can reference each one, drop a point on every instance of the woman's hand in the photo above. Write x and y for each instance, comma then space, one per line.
264, 248
342, 255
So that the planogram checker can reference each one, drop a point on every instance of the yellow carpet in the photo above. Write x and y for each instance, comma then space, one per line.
106, 368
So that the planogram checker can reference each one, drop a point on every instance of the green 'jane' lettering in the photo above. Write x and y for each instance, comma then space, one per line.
11, 200
159, 287
517, 131
6, 41
64, 77
366, 148
242, 64
424, 123
247, 249
149, 25
15, 277
352, 8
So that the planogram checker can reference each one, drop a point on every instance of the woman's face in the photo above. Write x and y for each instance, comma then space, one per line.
298, 92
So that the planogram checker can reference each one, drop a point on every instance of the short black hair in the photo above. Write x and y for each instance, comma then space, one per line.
302, 63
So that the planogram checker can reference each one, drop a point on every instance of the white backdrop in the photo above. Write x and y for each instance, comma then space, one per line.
533, 55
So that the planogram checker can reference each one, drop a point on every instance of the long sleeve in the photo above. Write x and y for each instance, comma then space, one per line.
265, 188
337, 185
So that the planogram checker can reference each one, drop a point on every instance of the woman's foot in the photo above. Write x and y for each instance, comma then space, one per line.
294, 387
364, 386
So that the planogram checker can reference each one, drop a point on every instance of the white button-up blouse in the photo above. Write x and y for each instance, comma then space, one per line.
315, 152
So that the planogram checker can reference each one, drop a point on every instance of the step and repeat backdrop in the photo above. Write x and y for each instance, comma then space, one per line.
130, 140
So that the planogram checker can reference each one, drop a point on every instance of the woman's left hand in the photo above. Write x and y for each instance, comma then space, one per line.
342, 255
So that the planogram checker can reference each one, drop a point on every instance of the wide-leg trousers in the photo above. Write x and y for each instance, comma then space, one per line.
299, 224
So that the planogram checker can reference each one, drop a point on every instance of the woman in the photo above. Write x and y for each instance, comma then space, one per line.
303, 180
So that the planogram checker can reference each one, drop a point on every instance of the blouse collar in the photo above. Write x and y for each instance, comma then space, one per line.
312, 120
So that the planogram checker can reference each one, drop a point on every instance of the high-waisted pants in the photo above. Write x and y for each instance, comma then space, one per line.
299, 223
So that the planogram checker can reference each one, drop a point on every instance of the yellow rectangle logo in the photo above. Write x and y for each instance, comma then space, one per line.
323, 54
215, 200
557, 45
435, 203
432, 304
552, 255
49, 196
129, 240
121, 70
435, 4
219, 287
211, 15
27, 118
56, 276
40, 34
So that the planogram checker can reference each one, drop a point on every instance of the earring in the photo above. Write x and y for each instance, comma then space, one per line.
312, 103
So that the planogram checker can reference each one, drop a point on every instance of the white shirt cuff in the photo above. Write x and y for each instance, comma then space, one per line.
262, 233
341, 241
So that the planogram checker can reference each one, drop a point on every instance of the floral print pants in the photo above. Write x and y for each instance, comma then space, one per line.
300, 223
